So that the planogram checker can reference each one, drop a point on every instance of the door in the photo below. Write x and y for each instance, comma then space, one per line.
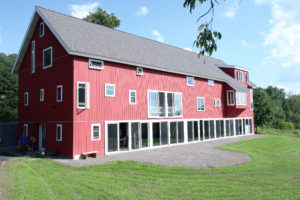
42, 136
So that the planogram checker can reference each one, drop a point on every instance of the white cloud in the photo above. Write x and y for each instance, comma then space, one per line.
231, 11
83, 10
187, 48
247, 44
157, 35
142, 11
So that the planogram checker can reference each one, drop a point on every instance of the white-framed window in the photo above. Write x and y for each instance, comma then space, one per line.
139, 71
241, 99
200, 104
132, 97
237, 73
217, 102
110, 90
246, 77
96, 64
211, 82
42, 94
95, 132
26, 98
59, 93
230, 97
83, 95
190, 81
32, 56
47, 57
251, 99
25, 129
58, 132
42, 29
242, 76
164, 104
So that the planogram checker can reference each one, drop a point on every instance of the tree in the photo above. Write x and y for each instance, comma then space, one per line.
263, 113
206, 39
103, 18
8, 89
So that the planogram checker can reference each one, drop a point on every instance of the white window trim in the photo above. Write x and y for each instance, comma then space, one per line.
61, 133
228, 102
108, 84
237, 74
26, 132
33, 57
42, 98
87, 92
211, 82
242, 76
242, 97
198, 108
26, 94
187, 80
92, 134
166, 92
132, 103
251, 100
61, 89
43, 23
139, 68
45, 67
95, 60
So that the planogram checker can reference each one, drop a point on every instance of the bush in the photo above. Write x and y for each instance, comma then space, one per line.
281, 124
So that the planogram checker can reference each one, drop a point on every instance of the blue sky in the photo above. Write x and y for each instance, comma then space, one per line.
261, 35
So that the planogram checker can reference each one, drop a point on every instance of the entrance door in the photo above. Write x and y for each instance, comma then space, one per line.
42, 136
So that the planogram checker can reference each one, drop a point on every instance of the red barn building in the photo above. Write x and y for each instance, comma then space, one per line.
88, 88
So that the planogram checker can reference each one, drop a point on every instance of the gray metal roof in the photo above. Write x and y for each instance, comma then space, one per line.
96, 41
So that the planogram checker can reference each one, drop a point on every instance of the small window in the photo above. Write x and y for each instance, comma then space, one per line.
26, 97
246, 77
42, 94
25, 130
139, 71
132, 97
42, 29
83, 95
47, 57
200, 104
217, 102
230, 97
33, 57
237, 75
59, 132
59, 93
110, 90
242, 76
190, 81
96, 132
96, 64
211, 82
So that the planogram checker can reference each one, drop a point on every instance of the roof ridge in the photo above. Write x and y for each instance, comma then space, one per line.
210, 57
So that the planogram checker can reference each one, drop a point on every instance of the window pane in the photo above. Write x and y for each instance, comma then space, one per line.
47, 57
173, 132
81, 94
155, 133
190, 131
161, 103
110, 90
211, 129
251, 126
135, 139
227, 128
112, 137
206, 129
180, 132
145, 136
190, 80
170, 100
218, 128
177, 105
222, 128
59, 93
123, 136
201, 129
164, 133
195, 130
153, 103
96, 132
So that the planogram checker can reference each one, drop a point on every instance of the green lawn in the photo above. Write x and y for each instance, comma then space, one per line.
274, 173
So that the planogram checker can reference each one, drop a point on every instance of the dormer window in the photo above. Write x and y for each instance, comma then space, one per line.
242, 76
237, 73
211, 82
96, 64
42, 29
246, 77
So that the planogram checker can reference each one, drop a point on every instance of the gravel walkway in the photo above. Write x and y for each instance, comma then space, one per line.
194, 155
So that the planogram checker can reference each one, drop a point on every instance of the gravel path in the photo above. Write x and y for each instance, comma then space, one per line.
194, 155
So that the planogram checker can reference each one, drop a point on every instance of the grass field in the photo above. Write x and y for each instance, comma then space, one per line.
274, 173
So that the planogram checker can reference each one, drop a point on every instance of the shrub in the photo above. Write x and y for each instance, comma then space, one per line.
281, 124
